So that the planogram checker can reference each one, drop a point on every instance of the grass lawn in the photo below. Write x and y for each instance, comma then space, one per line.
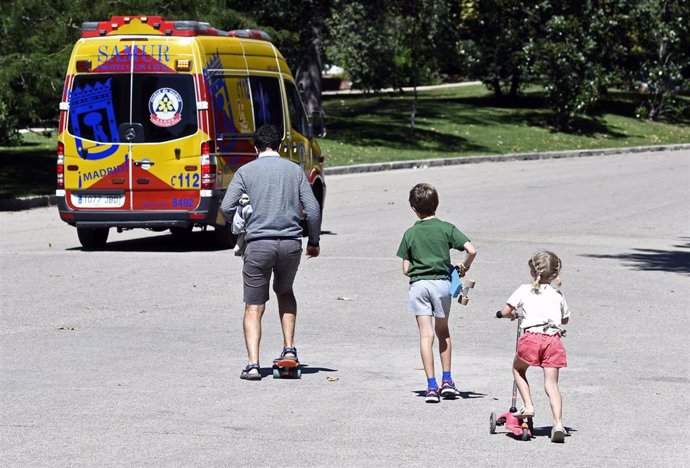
451, 122
467, 120
29, 169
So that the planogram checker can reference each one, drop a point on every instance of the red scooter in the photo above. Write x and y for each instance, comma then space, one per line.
520, 428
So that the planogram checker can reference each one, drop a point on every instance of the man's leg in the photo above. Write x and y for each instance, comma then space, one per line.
287, 308
252, 331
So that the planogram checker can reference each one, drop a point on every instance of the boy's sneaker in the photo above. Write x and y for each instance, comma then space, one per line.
448, 389
432, 395
558, 434
524, 412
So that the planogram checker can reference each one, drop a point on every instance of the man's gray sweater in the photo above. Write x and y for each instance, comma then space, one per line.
278, 190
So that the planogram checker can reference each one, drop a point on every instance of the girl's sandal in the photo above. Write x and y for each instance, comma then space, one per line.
248, 375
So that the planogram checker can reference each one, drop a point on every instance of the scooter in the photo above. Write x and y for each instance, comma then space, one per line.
521, 429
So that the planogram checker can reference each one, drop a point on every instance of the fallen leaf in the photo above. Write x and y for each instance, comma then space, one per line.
330, 378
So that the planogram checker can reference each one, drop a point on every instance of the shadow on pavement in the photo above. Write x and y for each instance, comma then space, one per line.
463, 395
196, 241
675, 261
545, 431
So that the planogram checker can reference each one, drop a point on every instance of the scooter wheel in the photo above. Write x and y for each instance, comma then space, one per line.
492, 423
525, 434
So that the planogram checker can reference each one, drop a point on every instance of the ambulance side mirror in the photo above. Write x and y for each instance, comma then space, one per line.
318, 125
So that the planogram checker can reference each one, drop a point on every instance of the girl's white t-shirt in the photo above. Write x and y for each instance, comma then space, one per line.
548, 305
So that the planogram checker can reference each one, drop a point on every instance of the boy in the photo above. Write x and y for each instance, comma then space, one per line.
426, 261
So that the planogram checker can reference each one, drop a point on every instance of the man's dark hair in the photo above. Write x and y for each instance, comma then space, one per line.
267, 137
424, 199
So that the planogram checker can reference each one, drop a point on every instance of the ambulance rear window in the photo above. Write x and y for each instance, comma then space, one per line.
160, 107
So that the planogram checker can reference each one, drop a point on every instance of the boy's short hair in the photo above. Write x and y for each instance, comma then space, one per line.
424, 199
267, 136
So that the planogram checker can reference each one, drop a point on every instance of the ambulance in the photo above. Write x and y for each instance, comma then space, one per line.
156, 116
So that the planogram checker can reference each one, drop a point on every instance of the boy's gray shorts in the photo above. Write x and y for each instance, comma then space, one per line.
263, 257
429, 297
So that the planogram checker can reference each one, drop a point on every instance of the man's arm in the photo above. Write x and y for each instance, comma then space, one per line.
312, 210
232, 197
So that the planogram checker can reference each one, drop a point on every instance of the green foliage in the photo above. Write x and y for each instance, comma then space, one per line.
9, 136
497, 34
360, 39
576, 49
563, 58
662, 49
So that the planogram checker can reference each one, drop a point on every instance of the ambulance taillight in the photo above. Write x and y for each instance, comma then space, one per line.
60, 165
208, 168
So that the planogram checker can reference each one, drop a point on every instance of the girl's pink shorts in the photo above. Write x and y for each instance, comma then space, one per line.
541, 350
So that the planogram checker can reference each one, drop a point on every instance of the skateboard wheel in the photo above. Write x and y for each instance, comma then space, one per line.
492, 423
464, 300
470, 283
525, 434
276, 373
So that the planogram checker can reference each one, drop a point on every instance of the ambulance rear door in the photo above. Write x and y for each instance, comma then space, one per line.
163, 127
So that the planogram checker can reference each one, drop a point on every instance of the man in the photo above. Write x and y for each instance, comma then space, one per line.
277, 190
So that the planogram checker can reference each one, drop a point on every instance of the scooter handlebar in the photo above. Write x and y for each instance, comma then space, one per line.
499, 314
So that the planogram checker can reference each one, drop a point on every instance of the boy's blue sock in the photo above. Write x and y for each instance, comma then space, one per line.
446, 377
431, 383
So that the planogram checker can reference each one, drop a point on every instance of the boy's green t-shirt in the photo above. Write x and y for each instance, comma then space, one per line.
427, 246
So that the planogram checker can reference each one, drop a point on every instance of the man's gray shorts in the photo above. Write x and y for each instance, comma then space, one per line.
429, 297
263, 257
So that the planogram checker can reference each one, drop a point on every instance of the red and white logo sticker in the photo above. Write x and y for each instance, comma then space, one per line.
165, 107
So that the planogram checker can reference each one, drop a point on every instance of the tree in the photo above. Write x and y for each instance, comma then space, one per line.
661, 45
497, 34
300, 28
360, 39
571, 78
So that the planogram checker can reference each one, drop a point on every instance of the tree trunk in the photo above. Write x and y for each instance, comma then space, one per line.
308, 72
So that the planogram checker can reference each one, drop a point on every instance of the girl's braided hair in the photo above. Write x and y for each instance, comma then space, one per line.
545, 267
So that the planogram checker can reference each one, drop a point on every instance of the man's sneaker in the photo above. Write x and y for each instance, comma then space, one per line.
558, 434
432, 395
448, 389
524, 412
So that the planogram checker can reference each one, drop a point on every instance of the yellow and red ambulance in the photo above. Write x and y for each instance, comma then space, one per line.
156, 116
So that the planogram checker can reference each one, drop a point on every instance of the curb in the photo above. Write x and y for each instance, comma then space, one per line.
25, 203
439, 162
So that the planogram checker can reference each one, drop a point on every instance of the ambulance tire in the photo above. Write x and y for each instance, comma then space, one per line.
225, 239
92, 238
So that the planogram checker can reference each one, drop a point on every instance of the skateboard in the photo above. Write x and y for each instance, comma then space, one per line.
460, 288
286, 369
464, 289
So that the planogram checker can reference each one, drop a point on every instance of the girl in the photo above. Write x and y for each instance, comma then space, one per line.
544, 309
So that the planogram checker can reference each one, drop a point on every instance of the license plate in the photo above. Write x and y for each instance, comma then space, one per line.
97, 201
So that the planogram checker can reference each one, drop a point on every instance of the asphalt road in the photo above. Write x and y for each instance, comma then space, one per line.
131, 356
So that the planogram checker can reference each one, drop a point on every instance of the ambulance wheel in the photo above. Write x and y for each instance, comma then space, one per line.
492, 423
225, 239
92, 238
